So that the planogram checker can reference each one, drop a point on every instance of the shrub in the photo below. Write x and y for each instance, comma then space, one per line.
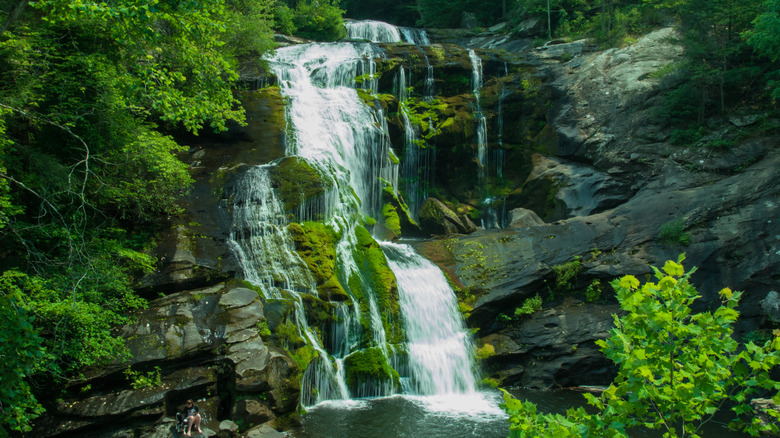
676, 368
673, 233
530, 305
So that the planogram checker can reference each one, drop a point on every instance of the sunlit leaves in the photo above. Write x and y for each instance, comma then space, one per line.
676, 368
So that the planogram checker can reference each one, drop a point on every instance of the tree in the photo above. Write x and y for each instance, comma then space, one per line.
764, 36
676, 368
88, 90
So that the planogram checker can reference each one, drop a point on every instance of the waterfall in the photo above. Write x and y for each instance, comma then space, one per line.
439, 347
380, 32
481, 136
415, 167
346, 144
260, 240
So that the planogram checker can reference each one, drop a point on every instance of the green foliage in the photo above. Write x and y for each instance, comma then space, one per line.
530, 305
138, 380
765, 39
21, 351
673, 233
593, 292
424, 116
250, 26
676, 368
319, 20
565, 274
284, 20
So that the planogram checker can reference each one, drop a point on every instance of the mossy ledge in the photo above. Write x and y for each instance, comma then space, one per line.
316, 245
380, 279
369, 368
296, 181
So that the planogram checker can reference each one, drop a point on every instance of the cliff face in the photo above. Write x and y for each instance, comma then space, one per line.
579, 170
616, 197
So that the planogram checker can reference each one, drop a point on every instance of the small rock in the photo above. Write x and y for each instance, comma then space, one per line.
771, 306
229, 426
264, 431
522, 217
743, 121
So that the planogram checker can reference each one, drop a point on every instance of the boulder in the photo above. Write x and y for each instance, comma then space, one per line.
437, 219
522, 218
761, 407
771, 306
192, 322
553, 348
228, 426
264, 431
252, 412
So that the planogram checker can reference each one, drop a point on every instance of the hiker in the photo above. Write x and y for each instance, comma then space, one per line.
191, 416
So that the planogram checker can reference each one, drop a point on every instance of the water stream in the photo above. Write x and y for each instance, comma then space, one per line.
347, 145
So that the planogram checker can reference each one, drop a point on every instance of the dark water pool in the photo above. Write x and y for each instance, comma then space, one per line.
470, 416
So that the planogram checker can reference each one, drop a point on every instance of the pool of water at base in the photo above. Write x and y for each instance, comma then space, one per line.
475, 415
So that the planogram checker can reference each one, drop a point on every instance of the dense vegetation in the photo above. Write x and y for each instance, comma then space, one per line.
676, 368
87, 92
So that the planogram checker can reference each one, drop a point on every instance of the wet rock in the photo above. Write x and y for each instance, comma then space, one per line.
252, 412
553, 348
771, 306
761, 407
436, 218
264, 431
192, 322
521, 218
573, 189
228, 426
191, 380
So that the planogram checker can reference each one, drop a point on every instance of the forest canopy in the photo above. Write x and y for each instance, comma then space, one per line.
89, 93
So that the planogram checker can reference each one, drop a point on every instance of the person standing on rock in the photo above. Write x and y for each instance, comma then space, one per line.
191, 416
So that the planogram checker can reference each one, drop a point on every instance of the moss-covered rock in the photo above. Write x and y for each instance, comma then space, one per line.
437, 218
296, 181
316, 244
378, 279
396, 215
369, 368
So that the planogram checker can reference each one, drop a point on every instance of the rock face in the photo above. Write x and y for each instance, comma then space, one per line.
616, 198
193, 345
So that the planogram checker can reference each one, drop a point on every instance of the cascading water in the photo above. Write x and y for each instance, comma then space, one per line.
381, 32
347, 145
416, 165
481, 136
439, 347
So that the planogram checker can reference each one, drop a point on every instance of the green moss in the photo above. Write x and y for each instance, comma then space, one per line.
396, 213
565, 274
368, 365
304, 355
391, 219
296, 181
378, 278
316, 245
287, 335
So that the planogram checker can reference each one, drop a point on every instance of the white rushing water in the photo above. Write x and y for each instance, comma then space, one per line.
347, 143
439, 348
381, 32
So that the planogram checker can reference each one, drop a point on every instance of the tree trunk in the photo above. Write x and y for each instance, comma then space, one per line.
13, 16
549, 22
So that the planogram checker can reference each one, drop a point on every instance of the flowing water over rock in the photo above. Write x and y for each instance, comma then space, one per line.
424, 351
